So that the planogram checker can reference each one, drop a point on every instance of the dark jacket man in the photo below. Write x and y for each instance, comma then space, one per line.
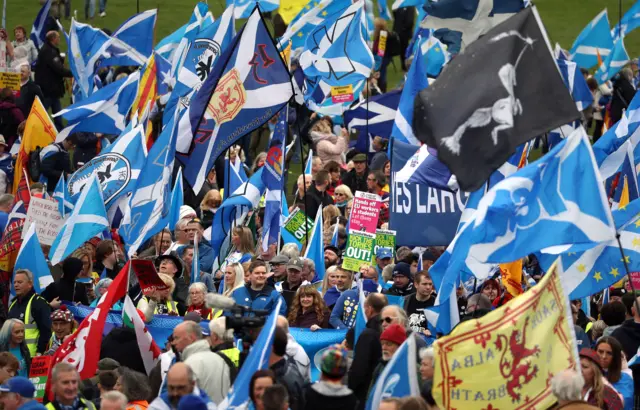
50, 69
368, 353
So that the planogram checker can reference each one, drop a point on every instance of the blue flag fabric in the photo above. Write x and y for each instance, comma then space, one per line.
61, 194
436, 55
399, 377
243, 8
627, 180
86, 45
195, 263
163, 74
237, 176
273, 180
38, 33
575, 82
426, 169
132, 43
315, 250
398, 4
177, 200
594, 39
615, 61
629, 22
31, 257
249, 85
383, 10
375, 115
89, 218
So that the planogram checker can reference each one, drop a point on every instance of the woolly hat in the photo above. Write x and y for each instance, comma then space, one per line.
395, 334
334, 362
62, 315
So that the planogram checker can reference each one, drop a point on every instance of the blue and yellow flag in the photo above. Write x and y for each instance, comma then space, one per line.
517, 349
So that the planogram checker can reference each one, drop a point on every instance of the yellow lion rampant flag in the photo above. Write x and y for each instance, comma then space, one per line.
506, 359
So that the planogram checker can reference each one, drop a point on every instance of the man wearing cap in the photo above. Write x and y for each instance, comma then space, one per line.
289, 287
279, 268
18, 393
383, 259
402, 282
331, 256
205, 253
329, 392
62, 326
172, 266
33, 310
390, 340
356, 179
317, 196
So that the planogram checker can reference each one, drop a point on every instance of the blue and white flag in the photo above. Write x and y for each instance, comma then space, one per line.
398, 4
249, 85
243, 8
614, 62
335, 238
575, 82
105, 111
195, 263
315, 249
86, 45
425, 168
168, 45
308, 168
88, 219
436, 55
311, 16
416, 82
627, 188
237, 176
132, 43
399, 377
594, 39
273, 179
257, 359
38, 33
163, 74
605, 296
629, 22
31, 257
61, 194
177, 200
375, 115
233, 211
383, 10
150, 204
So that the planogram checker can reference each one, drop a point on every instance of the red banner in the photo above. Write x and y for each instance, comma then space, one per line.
147, 276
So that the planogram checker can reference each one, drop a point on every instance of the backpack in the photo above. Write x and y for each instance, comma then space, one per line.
33, 164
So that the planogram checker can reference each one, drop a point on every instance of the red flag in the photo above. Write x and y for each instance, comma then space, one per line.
82, 348
22, 191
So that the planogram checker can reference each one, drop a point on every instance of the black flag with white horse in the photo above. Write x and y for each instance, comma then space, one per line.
501, 91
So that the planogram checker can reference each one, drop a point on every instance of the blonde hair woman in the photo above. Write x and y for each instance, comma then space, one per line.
329, 279
233, 278
328, 213
596, 390
342, 195
242, 240
159, 302
208, 207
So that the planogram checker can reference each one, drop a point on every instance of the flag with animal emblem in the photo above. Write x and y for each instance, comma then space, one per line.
39, 131
470, 18
243, 8
177, 201
595, 39
337, 60
117, 168
273, 180
104, 111
132, 43
487, 126
614, 62
233, 211
82, 348
149, 350
629, 22
250, 83
425, 168
86, 45
511, 274
38, 32
12, 237
627, 186
31, 257
374, 115
61, 194
315, 249
399, 378
517, 348
88, 219
150, 204
311, 16
257, 359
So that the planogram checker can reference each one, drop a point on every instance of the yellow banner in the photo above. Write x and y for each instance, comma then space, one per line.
292, 7
505, 360
512, 277
10, 80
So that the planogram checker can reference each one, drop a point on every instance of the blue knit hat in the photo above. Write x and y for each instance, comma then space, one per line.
191, 402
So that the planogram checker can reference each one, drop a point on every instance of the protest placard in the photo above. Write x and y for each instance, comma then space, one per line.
365, 212
147, 275
384, 239
635, 280
38, 374
44, 213
359, 250
9, 79
295, 225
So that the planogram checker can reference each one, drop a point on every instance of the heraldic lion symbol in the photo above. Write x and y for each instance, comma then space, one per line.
516, 369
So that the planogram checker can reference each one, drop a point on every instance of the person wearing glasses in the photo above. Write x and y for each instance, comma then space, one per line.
342, 196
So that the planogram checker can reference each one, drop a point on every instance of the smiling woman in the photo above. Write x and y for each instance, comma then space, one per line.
12, 340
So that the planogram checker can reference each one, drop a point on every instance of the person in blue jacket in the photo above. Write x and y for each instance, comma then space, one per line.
257, 294
343, 315
205, 253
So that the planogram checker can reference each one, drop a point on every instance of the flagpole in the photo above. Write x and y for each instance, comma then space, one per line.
626, 267
304, 185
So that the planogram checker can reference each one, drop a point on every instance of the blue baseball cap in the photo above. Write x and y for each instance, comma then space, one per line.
19, 385
384, 253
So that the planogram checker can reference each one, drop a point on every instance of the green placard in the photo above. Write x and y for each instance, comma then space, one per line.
295, 225
384, 239
359, 250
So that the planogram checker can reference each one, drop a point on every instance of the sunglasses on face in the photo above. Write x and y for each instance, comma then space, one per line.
388, 319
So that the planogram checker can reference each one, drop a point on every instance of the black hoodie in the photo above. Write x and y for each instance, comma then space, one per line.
66, 288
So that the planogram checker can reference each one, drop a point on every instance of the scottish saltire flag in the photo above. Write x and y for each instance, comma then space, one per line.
177, 200
312, 15
234, 210
575, 82
195, 263
383, 10
168, 45
105, 111
436, 55
89, 218
335, 238
398, 4
315, 249
594, 39
399, 377
605, 296
38, 33
163, 74
425, 168
257, 359
560, 53
61, 194
627, 184
237, 176
336, 57
249, 85
309, 165
243, 8
273, 180
629, 22
615, 61
375, 115
150, 203
86, 46
31, 257
416, 81
132, 43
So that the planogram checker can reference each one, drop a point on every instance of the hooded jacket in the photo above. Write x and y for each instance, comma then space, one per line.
329, 147
329, 396
287, 374
211, 370
66, 288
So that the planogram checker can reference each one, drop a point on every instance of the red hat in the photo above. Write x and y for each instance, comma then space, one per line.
591, 355
394, 333
62, 315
